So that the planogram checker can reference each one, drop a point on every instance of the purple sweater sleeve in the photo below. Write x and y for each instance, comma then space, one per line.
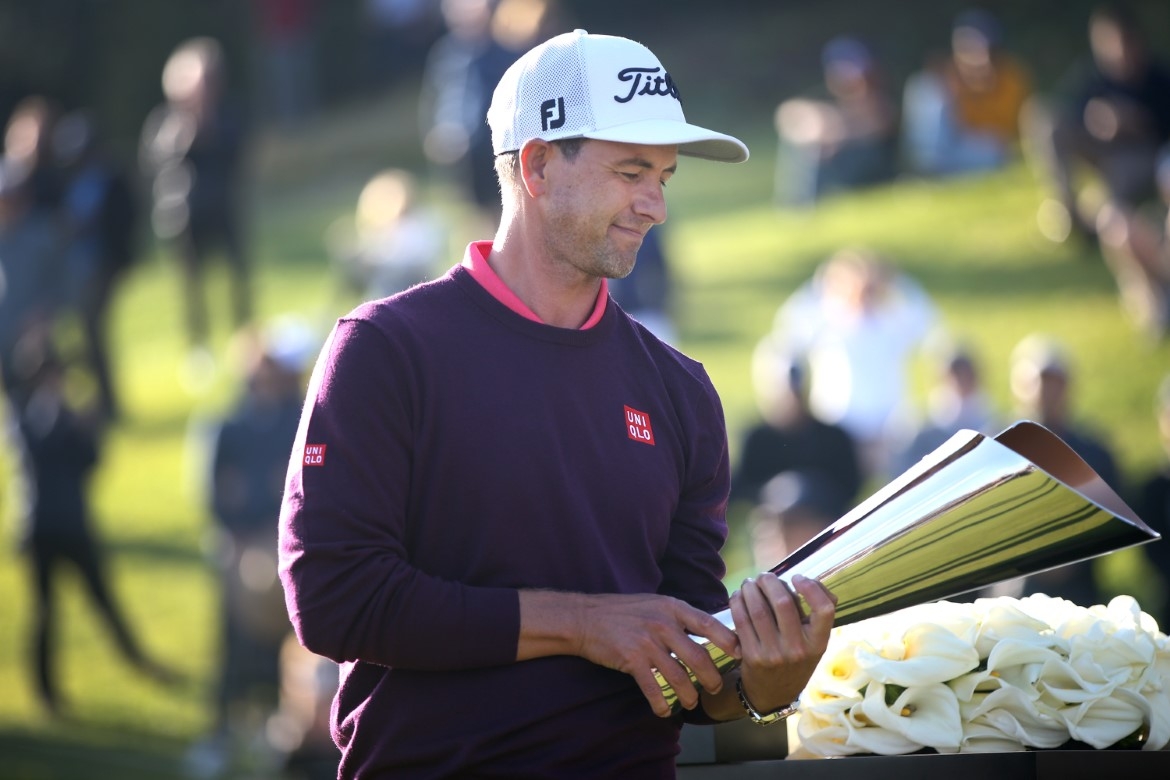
351, 592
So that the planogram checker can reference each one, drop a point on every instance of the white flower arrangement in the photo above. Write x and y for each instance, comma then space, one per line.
993, 675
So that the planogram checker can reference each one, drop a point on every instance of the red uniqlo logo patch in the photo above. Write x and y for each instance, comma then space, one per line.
314, 454
638, 426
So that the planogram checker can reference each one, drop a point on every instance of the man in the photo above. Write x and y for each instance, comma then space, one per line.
506, 500
790, 438
1114, 119
1042, 382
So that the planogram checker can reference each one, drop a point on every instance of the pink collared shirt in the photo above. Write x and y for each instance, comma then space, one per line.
475, 260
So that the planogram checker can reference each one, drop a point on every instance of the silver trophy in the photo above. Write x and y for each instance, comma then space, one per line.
975, 512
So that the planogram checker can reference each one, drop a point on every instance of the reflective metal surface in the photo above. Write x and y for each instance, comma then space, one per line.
975, 512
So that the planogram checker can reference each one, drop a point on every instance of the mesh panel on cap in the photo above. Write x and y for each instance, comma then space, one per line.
557, 74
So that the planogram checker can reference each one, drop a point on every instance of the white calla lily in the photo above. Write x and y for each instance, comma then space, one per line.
824, 737
1015, 715
925, 714
1159, 700
1002, 619
926, 654
1105, 721
1064, 682
982, 738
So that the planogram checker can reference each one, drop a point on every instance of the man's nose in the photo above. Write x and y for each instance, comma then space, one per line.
651, 203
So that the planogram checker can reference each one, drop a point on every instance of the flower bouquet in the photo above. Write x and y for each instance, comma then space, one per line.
993, 675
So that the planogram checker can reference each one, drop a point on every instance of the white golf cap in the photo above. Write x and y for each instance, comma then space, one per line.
578, 85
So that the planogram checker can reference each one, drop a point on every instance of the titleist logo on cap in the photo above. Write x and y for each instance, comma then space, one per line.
645, 81
603, 87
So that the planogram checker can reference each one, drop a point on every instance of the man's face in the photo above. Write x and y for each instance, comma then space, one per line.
600, 205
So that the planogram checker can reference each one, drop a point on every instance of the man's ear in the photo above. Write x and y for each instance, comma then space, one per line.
535, 156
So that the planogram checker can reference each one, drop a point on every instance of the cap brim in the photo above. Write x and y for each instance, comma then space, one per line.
692, 141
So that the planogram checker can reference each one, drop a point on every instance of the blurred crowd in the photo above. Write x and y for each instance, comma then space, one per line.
832, 377
1098, 141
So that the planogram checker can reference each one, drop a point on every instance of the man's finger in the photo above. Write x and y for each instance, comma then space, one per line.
823, 606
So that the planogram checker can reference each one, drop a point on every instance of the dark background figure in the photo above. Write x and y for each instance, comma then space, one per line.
961, 113
249, 459
462, 69
100, 220
957, 401
793, 507
1110, 117
1042, 379
847, 139
1136, 246
789, 436
62, 447
396, 35
29, 266
286, 55
647, 293
28, 148
1152, 503
192, 147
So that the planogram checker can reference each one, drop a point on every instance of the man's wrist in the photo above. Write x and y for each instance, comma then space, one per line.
758, 717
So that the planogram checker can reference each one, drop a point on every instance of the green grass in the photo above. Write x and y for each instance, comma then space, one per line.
973, 244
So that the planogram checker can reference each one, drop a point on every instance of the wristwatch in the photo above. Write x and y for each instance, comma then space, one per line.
759, 718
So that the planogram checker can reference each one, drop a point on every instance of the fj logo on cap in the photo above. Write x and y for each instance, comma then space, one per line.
552, 114
638, 426
643, 81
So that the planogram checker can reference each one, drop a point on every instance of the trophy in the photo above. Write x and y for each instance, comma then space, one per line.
975, 512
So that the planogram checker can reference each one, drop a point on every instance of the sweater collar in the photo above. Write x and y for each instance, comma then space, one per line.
475, 260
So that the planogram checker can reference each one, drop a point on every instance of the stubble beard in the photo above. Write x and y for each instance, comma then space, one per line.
596, 256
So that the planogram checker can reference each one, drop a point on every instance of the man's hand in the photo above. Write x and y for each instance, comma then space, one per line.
635, 634
780, 647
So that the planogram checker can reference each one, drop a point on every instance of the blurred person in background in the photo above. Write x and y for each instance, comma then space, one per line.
30, 266
860, 322
1042, 380
961, 113
249, 458
845, 141
483, 38
956, 401
1152, 503
1135, 243
792, 507
647, 294
286, 53
100, 224
192, 147
62, 447
28, 148
300, 727
461, 70
790, 437
1108, 122
396, 37
392, 242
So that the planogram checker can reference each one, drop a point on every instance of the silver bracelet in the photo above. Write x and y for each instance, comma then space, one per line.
763, 719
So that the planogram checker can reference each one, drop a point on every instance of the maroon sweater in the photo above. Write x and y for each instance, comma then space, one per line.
452, 452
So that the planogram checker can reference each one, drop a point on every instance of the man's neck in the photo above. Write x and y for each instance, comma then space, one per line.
560, 295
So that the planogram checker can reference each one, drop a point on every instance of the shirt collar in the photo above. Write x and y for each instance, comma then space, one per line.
475, 260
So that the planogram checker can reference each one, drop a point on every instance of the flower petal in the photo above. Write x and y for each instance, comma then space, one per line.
929, 654
926, 714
